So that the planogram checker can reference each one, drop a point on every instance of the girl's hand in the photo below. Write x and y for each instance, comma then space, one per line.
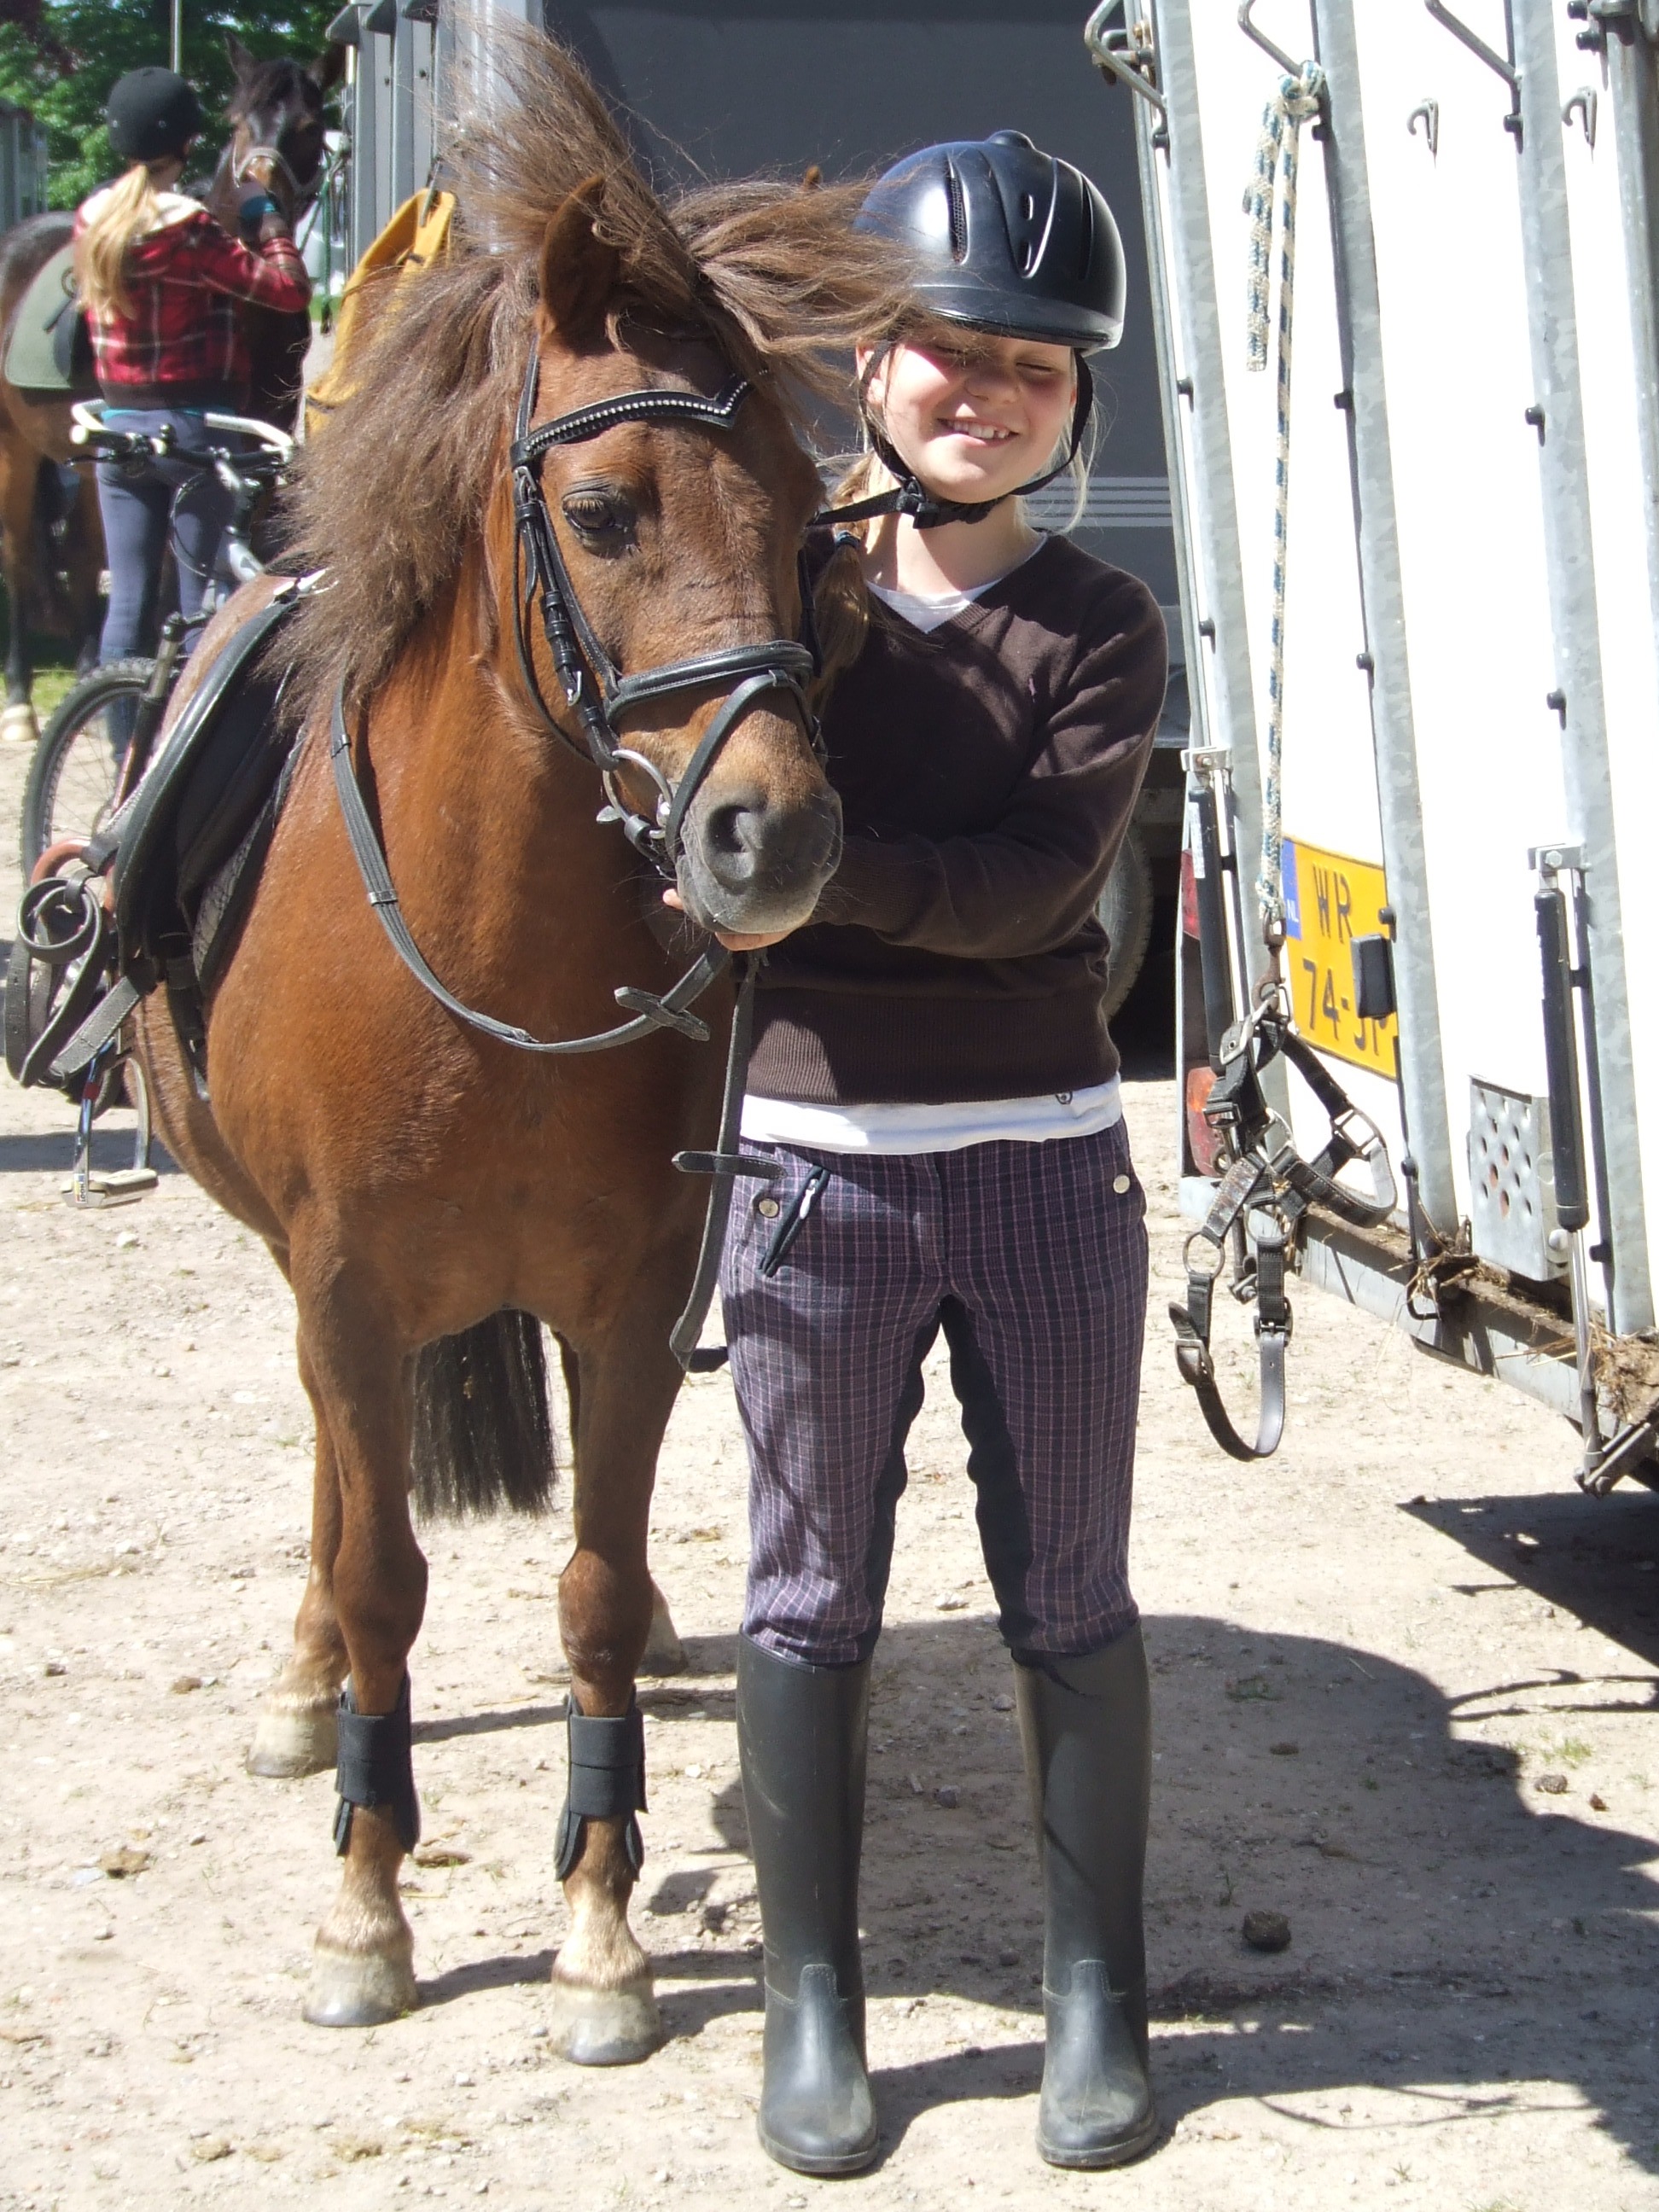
735, 942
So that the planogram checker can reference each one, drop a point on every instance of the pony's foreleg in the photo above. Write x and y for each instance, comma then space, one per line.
362, 1970
294, 1733
604, 2009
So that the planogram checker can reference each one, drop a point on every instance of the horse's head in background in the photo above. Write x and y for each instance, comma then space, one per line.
278, 119
677, 538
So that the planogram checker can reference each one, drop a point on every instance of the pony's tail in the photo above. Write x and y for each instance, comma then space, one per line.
484, 1434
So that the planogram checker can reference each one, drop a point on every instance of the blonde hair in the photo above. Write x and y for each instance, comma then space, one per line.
130, 208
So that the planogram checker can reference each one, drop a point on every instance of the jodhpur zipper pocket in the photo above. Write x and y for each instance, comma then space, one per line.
792, 1221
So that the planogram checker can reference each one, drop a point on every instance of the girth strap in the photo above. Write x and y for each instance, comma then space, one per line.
375, 1766
606, 1769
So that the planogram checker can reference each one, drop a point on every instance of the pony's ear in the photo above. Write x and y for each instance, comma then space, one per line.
328, 69
241, 61
578, 271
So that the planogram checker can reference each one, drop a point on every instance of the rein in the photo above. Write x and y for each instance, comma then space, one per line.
598, 694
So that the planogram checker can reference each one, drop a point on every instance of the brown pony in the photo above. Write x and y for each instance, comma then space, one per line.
423, 1186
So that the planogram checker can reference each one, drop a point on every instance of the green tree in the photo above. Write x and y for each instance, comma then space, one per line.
59, 58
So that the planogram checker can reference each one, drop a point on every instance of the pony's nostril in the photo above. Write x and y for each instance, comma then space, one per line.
733, 832
745, 846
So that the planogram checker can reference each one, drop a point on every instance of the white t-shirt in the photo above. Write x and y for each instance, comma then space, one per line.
947, 1129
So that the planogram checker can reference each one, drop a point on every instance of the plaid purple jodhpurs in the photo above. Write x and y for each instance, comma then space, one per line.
1033, 1261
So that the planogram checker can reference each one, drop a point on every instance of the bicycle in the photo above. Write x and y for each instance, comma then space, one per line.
83, 766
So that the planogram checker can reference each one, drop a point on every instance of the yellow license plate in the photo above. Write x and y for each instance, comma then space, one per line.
1329, 900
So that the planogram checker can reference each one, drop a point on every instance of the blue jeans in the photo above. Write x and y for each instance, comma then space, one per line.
136, 498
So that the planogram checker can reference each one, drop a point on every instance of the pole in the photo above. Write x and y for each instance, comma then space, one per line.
178, 37
1399, 807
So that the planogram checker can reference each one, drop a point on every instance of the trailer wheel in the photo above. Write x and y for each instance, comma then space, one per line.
1125, 912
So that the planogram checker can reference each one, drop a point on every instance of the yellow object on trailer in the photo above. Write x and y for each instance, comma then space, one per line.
416, 236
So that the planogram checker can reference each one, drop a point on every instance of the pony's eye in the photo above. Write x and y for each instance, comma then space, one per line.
595, 516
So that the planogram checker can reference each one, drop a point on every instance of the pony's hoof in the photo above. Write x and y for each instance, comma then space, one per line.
664, 1652
605, 2028
289, 1741
358, 1989
18, 726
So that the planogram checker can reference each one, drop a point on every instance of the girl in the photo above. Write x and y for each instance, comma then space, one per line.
932, 1068
160, 283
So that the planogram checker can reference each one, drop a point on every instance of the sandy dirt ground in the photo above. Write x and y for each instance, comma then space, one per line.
1404, 1682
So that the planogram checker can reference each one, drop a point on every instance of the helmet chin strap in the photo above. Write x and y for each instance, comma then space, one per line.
910, 497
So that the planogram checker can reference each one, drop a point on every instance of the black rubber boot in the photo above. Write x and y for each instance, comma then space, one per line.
1086, 1723
801, 1739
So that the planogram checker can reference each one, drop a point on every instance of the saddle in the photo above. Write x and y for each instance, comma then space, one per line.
50, 352
157, 897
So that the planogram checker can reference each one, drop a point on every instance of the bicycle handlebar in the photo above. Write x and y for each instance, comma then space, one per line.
90, 429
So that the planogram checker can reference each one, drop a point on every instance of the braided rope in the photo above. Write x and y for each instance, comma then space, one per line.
1293, 103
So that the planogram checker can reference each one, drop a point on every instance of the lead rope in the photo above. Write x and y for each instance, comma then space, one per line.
1295, 101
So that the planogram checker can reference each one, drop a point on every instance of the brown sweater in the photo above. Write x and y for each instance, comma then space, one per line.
987, 771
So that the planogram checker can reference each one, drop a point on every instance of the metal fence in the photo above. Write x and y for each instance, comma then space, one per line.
23, 166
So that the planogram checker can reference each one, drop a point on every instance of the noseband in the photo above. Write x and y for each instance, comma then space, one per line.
594, 689
239, 168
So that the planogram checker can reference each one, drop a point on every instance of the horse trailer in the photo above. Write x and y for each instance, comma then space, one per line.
1421, 581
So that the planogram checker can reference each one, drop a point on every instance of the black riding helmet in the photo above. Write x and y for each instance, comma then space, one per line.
151, 113
1010, 241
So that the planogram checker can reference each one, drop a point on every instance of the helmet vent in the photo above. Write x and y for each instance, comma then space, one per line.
958, 207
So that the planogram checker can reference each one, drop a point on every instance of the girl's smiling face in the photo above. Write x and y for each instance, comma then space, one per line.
975, 416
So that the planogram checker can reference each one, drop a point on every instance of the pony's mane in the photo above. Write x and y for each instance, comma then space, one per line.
390, 493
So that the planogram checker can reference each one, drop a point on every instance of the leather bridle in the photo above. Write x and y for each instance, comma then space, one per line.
241, 167
595, 689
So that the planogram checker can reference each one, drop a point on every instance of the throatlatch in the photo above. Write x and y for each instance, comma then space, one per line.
375, 1766
606, 1781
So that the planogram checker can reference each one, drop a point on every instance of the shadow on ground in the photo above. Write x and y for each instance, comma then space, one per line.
1597, 1558
1452, 1939
53, 1151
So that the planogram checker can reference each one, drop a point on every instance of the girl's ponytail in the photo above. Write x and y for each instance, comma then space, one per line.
128, 210
841, 604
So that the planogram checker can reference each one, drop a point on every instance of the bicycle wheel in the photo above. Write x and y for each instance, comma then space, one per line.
72, 778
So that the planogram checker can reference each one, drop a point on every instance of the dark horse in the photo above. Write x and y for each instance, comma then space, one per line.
421, 1184
52, 542
277, 119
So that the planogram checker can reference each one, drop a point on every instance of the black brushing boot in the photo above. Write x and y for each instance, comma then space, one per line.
1086, 1724
801, 1739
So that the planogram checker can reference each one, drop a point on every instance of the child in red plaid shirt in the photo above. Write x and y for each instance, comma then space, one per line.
162, 286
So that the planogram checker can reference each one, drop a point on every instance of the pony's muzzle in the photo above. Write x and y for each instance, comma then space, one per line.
757, 863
